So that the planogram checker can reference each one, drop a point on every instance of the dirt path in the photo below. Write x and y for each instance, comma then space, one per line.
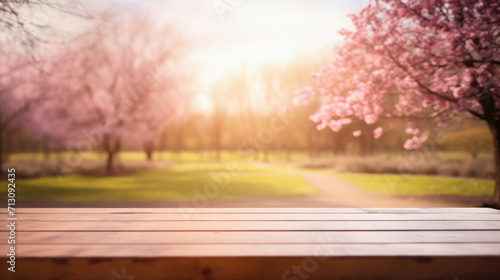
339, 193
332, 192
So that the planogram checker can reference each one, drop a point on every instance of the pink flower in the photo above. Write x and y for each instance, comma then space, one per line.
370, 119
321, 126
413, 131
345, 121
335, 126
413, 143
356, 133
378, 132
303, 96
416, 142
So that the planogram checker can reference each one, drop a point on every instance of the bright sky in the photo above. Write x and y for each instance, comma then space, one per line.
232, 33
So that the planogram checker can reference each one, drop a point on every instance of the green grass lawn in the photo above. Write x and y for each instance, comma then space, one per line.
418, 184
188, 178
181, 182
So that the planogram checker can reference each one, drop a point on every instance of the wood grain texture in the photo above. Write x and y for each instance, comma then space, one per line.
254, 210
259, 250
256, 217
137, 226
255, 243
256, 237
252, 268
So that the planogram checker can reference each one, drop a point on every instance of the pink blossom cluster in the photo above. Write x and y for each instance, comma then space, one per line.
412, 59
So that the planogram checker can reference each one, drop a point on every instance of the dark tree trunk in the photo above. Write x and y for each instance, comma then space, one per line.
46, 149
217, 143
109, 162
149, 154
111, 149
149, 149
1, 151
495, 130
162, 145
492, 119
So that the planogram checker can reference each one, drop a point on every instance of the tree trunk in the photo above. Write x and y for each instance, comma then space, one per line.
149, 154
1, 152
149, 149
494, 126
217, 144
109, 162
496, 143
491, 117
111, 151
45, 148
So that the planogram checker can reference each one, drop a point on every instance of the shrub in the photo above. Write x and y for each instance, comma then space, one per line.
474, 168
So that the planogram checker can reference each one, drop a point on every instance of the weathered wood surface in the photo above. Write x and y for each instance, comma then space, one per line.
254, 217
253, 210
255, 243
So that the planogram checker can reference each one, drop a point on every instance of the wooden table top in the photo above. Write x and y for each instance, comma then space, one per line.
254, 243
147, 232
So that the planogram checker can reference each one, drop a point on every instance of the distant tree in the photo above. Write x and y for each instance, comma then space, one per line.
219, 115
416, 59
228, 99
29, 23
122, 84
25, 82
277, 83
20, 89
169, 99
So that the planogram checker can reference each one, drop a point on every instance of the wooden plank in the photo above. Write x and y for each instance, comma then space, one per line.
388, 243
258, 250
254, 225
251, 268
259, 237
255, 217
253, 210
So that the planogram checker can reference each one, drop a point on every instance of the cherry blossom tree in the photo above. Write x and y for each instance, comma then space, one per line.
21, 88
168, 100
121, 82
414, 59
26, 26
31, 23
50, 122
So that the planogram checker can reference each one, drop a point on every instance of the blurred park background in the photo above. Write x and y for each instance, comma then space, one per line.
191, 104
